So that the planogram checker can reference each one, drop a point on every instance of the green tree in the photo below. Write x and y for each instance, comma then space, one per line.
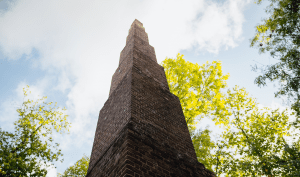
23, 152
198, 88
203, 145
79, 169
291, 163
253, 141
256, 138
280, 34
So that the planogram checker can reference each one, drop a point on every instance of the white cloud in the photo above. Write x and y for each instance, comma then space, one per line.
79, 42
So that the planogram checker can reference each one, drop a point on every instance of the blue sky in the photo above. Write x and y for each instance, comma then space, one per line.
69, 50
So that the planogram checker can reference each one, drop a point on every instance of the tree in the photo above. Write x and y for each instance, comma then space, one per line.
31, 145
197, 87
203, 145
291, 162
256, 137
79, 169
253, 137
280, 34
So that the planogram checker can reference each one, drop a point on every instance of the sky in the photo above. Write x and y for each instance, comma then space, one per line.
68, 51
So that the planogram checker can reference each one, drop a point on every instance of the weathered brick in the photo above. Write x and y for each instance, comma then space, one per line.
141, 129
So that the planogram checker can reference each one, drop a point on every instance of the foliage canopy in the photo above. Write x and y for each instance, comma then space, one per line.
31, 145
198, 87
280, 34
79, 169
253, 141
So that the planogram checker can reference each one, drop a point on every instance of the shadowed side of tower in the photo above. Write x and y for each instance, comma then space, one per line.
141, 130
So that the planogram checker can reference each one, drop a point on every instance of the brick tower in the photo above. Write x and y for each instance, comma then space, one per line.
141, 130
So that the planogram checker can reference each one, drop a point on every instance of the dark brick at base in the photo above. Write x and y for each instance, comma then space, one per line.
141, 130
135, 154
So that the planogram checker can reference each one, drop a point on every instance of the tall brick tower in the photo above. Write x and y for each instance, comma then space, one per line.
141, 130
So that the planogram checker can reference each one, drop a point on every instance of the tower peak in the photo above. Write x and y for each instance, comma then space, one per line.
137, 22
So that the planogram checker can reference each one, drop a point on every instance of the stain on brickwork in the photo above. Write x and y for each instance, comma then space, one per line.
141, 130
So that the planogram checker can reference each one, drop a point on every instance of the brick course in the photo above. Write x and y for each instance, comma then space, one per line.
141, 130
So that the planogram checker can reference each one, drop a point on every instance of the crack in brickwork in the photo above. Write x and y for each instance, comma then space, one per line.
141, 129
